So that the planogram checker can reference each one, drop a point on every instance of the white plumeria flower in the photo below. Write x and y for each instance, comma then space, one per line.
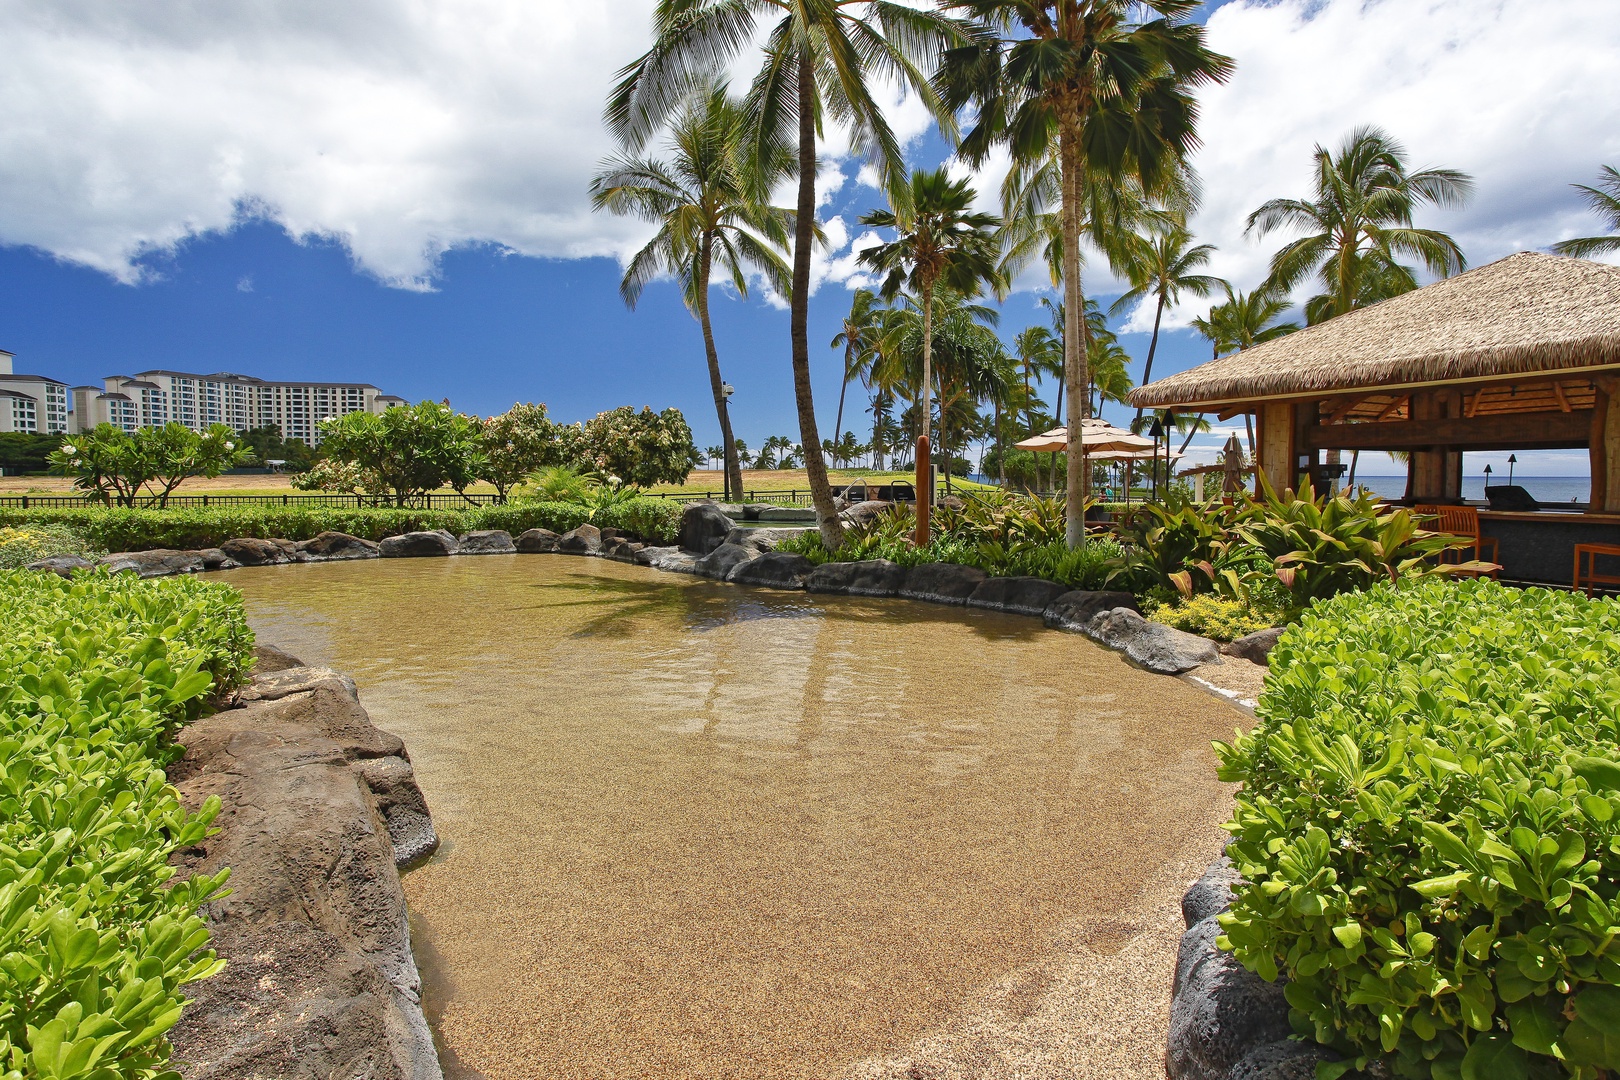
70, 448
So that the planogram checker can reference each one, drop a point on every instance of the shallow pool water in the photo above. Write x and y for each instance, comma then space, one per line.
692, 829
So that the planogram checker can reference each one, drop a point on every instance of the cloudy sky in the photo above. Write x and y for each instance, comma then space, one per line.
395, 190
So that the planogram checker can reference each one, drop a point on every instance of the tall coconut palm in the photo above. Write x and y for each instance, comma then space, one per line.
820, 58
940, 242
1605, 199
709, 201
1163, 264
1358, 225
1242, 321
858, 339
1110, 83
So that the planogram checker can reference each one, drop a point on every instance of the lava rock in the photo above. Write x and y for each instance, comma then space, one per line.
1255, 647
251, 551
704, 527
1016, 595
585, 540
1157, 647
774, 569
1210, 894
1289, 1059
215, 559
63, 565
720, 562
331, 546
864, 513
942, 583
537, 542
671, 559
1221, 1010
268, 659
788, 513
419, 545
869, 577
486, 542
1075, 610
159, 562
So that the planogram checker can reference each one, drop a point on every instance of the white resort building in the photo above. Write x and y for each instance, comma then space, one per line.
31, 403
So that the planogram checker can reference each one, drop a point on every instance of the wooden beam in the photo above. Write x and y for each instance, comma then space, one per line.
1394, 407
1338, 408
1506, 431
1428, 465
1473, 403
1597, 452
1558, 392
1276, 450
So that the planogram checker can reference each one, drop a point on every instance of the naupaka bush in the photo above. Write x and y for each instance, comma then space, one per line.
1430, 830
96, 941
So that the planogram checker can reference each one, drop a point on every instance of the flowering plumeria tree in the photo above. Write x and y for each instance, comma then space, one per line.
119, 467
641, 448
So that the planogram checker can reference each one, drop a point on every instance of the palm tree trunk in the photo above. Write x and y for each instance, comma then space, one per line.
843, 388
1248, 424
1153, 343
877, 432
1001, 455
733, 467
926, 417
815, 466
1075, 331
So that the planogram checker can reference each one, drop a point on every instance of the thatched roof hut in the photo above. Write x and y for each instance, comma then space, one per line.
1521, 353
1527, 313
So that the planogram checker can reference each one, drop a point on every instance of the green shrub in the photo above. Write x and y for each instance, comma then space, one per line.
22, 545
125, 529
1219, 617
1430, 830
96, 939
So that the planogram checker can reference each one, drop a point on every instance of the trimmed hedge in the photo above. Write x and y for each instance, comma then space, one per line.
1430, 830
140, 529
96, 941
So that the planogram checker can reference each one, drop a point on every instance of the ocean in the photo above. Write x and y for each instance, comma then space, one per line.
1547, 490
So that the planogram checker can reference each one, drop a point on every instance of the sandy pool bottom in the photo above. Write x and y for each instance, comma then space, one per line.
694, 830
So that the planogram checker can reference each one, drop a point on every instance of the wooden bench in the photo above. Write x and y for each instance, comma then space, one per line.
1592, 577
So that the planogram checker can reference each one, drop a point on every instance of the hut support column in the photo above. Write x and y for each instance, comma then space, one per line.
1428, 466
1275, 454
1605, 447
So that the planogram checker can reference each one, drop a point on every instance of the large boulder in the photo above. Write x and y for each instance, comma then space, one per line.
869, 577
1255, 647
1075, 610
419, 545
486, 542
670, 559
942, 583
1157, 647
801, 514
1210, 894
585, 540
65, 565
159, 562
720, 562
333, 546
1016, 595
863, 513
537, 542
252, 551
703, 528
215, 559
774, 569
762, 539
621, 548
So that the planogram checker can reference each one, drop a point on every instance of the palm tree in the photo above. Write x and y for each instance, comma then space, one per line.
820, 58
940, 242
1161, 265
1605, 199
1113, 91
1358, 225
713, 454
858, 339
1242, 321
709, 201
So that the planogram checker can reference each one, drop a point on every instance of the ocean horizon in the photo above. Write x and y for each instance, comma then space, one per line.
1548, 490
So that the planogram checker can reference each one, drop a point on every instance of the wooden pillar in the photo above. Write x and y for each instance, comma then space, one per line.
1605, 447
1306, 416
1452, 463
1428, 469
1274, 457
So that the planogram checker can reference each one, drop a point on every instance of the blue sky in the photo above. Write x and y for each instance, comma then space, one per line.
397, 195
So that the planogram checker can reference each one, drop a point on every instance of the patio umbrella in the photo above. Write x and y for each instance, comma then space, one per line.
1233, 451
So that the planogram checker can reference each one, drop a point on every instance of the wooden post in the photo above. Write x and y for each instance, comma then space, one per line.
1605, 447
1307, 414
1428, 465
924, 491
1274, 457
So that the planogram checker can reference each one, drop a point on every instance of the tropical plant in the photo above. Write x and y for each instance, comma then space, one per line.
858, 337
643, 448
1111, 91
21, 545
819, 61
405, 451
114, 465
1162, 264
1221, 618
1427, 828
1358, 225
711, 454
561, 483
1604, 199
710, 201
514, 444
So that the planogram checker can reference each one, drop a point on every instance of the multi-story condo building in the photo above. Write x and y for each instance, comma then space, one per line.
31, 403
154, 398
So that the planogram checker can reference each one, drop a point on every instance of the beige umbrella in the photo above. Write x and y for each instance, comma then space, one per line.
1095, 435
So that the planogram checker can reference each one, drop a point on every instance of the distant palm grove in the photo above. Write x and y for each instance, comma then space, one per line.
1094, 103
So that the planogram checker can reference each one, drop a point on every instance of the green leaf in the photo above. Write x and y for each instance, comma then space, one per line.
1601, 774
1533, 1025
1494, 1057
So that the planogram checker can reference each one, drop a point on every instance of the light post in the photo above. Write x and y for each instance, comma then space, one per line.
1513, 459
1157, 431
1487, 480
726, 390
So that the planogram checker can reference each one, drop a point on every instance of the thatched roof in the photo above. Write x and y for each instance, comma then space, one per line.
1524, 314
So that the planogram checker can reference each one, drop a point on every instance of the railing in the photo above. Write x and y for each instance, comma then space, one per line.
420, 502
790, 497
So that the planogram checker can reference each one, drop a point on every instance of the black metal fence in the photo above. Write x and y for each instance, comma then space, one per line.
790, 497
420, 502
